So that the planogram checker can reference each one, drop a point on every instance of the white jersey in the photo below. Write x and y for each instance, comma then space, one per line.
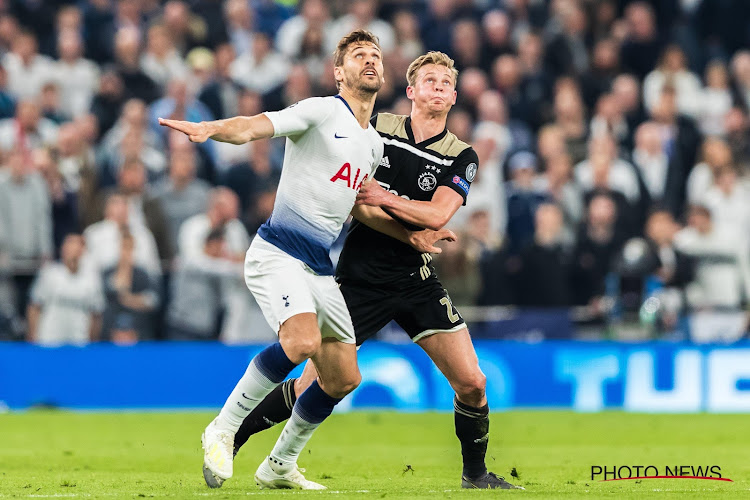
328, 155
67, 300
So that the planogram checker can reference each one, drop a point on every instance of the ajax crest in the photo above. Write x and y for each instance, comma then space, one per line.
427, 181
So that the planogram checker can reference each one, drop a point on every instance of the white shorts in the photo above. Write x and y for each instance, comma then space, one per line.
284, 287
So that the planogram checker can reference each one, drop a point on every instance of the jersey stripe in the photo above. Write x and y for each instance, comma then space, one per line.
418, 152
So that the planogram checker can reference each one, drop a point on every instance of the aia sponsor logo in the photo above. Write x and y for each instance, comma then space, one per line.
624, 472
345, 175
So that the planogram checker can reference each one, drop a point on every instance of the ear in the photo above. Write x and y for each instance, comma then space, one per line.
455, 95
338, 74
410, 92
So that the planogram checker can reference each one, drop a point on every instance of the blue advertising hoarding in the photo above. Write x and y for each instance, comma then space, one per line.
646, 377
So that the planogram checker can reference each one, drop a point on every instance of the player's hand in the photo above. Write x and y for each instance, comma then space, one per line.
424, 241
372, 194
196, 132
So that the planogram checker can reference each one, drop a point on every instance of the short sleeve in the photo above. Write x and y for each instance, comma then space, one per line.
462, 172
300, 117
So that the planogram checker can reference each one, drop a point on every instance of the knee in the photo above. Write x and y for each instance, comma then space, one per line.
302, 348
471, 389
344, 385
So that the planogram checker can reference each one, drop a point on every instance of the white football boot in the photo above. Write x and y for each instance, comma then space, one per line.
272, 475
218, 448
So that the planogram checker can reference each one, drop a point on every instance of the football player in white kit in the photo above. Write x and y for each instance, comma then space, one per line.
331, 148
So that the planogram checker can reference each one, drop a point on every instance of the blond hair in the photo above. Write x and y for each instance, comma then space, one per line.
432, 57
356, 37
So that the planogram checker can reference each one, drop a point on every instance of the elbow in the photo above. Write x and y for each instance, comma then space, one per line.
437, 223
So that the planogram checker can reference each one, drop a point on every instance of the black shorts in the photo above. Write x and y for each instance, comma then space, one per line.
421, 309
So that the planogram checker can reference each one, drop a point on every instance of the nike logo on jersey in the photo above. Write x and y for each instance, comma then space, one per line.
337, 136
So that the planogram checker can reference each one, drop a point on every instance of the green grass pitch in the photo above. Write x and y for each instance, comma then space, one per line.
55, 454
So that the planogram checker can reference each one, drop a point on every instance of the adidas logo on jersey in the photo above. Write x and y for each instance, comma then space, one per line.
385, 163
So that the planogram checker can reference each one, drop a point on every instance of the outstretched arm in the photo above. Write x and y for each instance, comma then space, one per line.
236, 130
433, 214
422, 241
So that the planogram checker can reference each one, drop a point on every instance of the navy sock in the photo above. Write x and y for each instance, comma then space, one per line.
273, 363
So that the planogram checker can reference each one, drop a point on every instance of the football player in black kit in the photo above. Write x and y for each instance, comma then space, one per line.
424, 177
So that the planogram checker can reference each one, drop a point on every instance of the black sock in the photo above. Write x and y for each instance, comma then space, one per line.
473, 430
274, 409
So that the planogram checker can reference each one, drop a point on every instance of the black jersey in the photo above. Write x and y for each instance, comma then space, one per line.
412, 170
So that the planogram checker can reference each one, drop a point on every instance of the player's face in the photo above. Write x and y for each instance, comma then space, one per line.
362, 70
434, 89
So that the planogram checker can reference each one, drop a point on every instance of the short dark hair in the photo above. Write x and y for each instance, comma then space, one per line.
355, 37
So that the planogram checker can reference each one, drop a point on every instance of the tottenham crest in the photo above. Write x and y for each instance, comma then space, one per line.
471, 172
427, 181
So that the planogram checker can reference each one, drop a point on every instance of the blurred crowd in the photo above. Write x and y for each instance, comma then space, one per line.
612, 135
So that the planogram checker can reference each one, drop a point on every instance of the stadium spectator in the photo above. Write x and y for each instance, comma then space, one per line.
239, 20
314, 17
77, 78
362, 14
729, 201
566, 53
466, 44
716, 155
672, 70
406, 30
127, 56
26, 214
181, 195
597, 245
620, 175
496, 37
722, 275
716, 100
28, 130
107, 103
27, 70
570, 117
556, 184
642, 45
198, 290
181, 104
144, 208
49, 104
262, 68
660, 179
64, 201
221, 94
523, 200
186, 30
604, 68
673, 270
608, 119
131, 298
103, 239
161, 62
680, 136
66, 301
544, 273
